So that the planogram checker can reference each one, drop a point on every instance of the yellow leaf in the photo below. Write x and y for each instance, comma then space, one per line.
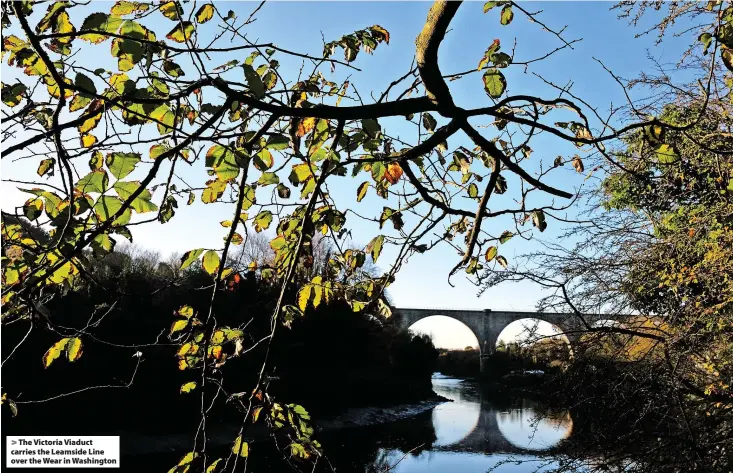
240, 447
211, 262
491, 253
205, 13
74, 349
87, 140
213, 466
185, 349
305, 126
178, 325
182, 32
304, 296
188, 387
54, 352
186, 311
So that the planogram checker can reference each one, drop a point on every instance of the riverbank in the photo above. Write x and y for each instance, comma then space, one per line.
134, 443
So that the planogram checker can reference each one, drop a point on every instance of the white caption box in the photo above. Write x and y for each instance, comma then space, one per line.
29, 451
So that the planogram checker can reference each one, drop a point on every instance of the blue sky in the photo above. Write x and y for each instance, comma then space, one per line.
301, 26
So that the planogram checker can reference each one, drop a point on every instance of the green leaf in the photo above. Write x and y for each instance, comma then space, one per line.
240, 447
122, 164
491, 253
489, 5
205, 13
505, 236
33, 209
12, 95
494, 83
107, 206
278, 142
95, 181
172, 69
157, 150
142, 203
182, 32
371, 127
473, 191
268, 178
263, 160
100, 22
501, 60
190, 256
378, 170
666, 154
254, 82
374, 247
706, 39
507, 15
222, 160
211, 262
319, 137
102, 245
165, 117
46, 166
188, 387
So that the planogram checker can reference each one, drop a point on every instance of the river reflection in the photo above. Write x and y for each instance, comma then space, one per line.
473, 434
470, 434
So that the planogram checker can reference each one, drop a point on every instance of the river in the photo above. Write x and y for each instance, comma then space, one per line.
472, 433
469, 434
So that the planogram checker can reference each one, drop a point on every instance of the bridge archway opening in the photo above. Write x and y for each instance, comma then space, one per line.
542, 339
446, 332
459, 346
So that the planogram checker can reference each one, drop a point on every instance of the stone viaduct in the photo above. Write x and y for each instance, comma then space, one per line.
486, 325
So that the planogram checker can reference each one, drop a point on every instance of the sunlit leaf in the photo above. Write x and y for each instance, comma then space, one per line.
210, 262
46, 166
122, 164
74, 349
240, 447
182, 32
95, 181
507, 15
491, 253
374, 248
188, 387
54, 352
190, 256
205, 13
494, 83
178, 325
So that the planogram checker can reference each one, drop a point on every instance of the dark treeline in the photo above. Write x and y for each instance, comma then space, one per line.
328, 360
550, 355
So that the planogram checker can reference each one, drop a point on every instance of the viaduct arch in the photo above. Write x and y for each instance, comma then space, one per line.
487, 325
